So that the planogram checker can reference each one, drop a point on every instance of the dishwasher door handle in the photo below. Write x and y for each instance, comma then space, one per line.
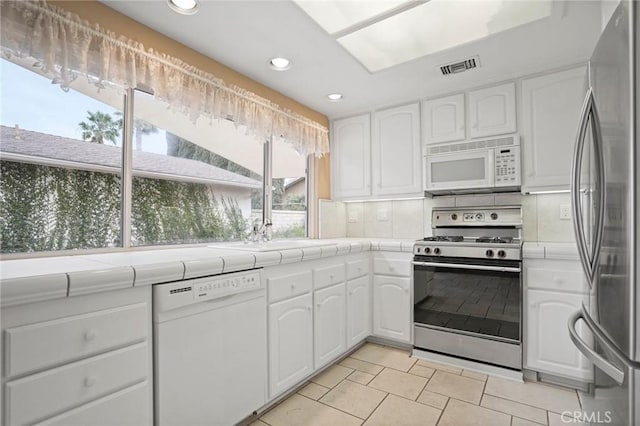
461, 266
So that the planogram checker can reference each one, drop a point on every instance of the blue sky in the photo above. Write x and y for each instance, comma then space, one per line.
34, 103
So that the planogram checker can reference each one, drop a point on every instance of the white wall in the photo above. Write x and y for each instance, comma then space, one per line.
411, 219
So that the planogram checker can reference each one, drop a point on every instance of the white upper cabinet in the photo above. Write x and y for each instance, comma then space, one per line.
396, 151
551, 107
443, 119
492, 111
351, 157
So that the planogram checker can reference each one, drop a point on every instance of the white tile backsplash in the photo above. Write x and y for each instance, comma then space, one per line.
333, 219
411, 219
355, 219
408, 219
375, 225
550, 227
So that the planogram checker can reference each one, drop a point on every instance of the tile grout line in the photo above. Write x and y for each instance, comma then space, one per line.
522, 403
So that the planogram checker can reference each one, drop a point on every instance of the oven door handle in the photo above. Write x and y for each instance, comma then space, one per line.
476, 267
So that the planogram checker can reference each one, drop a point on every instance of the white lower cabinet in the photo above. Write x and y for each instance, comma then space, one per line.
555, 289
329, 324
392, 307
549, 347
358, 310
83, 360
290, 342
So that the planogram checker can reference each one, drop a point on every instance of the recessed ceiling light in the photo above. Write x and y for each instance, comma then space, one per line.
279, 64
335, 97
186, 7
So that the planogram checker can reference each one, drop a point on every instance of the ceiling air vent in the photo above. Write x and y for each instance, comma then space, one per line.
460, 66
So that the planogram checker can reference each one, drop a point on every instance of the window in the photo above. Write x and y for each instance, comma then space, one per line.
191, 181
61, 162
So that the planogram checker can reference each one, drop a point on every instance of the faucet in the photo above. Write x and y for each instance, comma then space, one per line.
261, 232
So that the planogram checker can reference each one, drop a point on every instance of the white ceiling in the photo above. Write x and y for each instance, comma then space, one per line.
244, 35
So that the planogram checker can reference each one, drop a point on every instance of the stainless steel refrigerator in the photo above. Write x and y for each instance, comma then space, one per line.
605, 185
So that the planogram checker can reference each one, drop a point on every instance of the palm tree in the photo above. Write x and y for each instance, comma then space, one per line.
100, 127
140, 128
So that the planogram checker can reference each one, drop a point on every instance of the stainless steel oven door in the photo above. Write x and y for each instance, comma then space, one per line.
476, 297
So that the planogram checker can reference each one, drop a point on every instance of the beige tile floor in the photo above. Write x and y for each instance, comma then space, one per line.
381, 385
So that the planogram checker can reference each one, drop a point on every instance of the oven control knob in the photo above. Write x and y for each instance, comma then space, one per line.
502, 253
418, 250
436, 251
427, 250
489, 253
494, 216
454, 216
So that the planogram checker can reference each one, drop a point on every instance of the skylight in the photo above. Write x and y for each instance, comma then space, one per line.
387, 39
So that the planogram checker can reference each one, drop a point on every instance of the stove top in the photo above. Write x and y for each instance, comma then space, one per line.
495, 240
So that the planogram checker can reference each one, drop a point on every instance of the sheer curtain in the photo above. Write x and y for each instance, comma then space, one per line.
65, 47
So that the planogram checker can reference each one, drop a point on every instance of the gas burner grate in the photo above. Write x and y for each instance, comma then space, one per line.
500, 240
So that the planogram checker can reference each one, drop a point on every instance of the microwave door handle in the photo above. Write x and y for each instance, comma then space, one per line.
603, 364
576, 171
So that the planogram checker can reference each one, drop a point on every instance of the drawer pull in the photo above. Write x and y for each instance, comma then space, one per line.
557, 280
293, 286
392, 269
89, 335
406, 290
331, 276
359, 269
89, 381
308, 308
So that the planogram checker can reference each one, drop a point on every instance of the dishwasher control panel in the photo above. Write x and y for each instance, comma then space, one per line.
225, 285
170, 296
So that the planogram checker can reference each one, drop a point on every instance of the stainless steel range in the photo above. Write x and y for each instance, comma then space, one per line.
467, 285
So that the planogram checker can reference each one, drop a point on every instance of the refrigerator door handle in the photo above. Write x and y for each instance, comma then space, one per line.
609, 369
589, 260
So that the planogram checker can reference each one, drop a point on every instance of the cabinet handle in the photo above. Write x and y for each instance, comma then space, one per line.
392, 269
406, 290
331, 276
462, 127
318, 305
475, 125
89, 335
89, 381
557, 280
293, 286
308, 308
359, 269
351, 293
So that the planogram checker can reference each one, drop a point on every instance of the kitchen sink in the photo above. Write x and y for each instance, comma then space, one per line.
271, 245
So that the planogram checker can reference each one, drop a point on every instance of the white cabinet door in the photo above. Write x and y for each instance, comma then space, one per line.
551, 107
351, 157
358, 310
290, 342
443, 119
391, 307
329, 324
492, 111
396, 151
549, 347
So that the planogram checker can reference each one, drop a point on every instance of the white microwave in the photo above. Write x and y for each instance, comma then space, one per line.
487, 165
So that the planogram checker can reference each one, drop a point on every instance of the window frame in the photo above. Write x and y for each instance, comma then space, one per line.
126, 183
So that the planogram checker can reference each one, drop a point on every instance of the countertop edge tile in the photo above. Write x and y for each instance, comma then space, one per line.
268, 258
85, 282
156, 273
18, 291
196, 268
238, 262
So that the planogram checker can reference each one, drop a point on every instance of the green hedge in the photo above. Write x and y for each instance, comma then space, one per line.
47, 208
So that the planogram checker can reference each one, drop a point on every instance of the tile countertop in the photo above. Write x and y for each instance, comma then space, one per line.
39, 279
547, 250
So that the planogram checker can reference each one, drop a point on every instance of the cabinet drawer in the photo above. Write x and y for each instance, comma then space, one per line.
357, 268
42, 395
128, 407
45, 344
287, 286
392, 265
330, 275
557, 275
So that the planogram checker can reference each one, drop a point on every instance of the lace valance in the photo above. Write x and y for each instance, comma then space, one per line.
65, 47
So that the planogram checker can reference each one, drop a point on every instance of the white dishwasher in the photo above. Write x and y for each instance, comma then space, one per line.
210, 349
